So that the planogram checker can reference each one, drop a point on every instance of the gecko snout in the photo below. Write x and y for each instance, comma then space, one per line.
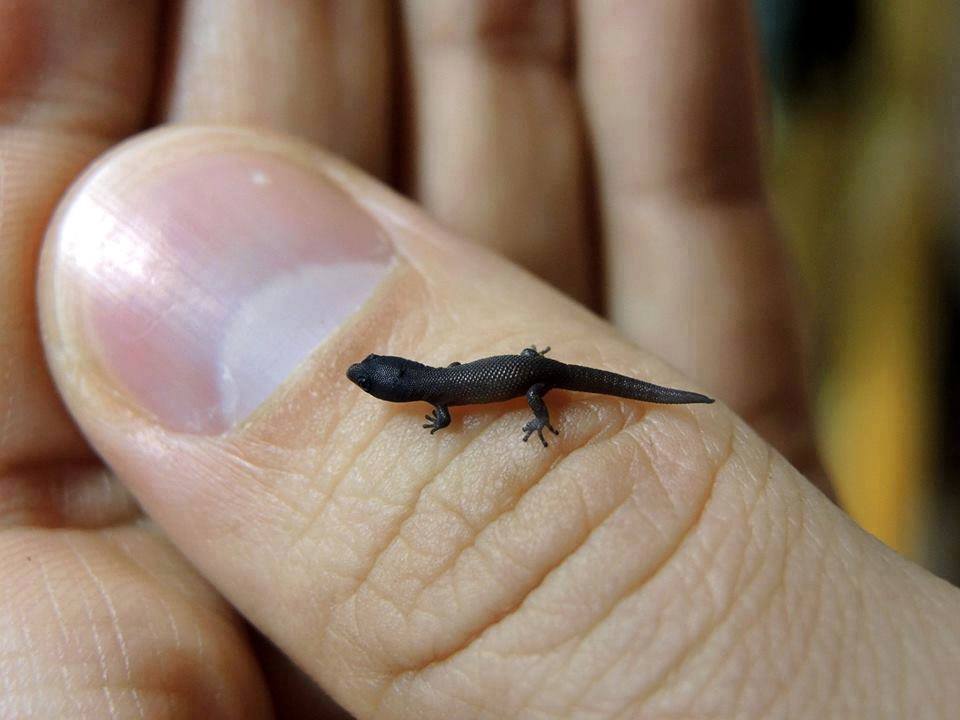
357, 375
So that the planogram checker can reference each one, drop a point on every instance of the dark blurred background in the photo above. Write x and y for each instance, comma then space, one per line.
863, 164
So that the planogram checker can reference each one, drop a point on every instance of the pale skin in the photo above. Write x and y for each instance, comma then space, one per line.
657, 562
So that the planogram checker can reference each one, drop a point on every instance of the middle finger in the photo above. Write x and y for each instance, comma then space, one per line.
497, 147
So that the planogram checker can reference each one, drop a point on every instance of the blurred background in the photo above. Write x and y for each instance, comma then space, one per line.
863, 162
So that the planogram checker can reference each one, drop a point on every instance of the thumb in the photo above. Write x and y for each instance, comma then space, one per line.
203, 293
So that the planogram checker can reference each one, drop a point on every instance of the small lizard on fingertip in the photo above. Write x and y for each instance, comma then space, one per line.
499, 378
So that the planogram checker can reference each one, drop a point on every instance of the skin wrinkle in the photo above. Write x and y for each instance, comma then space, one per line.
819, 572
479, 634
836, 658
515, 499
456, 512
566, 654
901, 674
157, 646
114, 621
339, 499
600, 435
145, 524
739, 690
471, 641
61, 624
668, 556
823, 551
280, 472
881, 625
859, 641
930, 640
37, 684
575, 705
651, 447
369, 654
675, 669
490, 559
742, 587
253, 471
575, 647
481, 712
741, 584
451, 562
98, 644
320, 512
920, 634
585, 530
234, 494
806, 637
585, 537
415, 503
476, 635
768, 601
139, 688
481, 433
161, 582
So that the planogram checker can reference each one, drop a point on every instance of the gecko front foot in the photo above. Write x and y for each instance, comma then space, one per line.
533, 352
536, 426
438, 419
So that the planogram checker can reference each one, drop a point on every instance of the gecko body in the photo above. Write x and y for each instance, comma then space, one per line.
499, 378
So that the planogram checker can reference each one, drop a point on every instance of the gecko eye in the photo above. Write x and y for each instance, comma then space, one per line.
363, 381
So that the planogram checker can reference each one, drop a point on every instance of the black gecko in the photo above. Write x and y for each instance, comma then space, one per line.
499, 378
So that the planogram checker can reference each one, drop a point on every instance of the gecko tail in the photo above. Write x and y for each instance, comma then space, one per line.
586, 379
672, 396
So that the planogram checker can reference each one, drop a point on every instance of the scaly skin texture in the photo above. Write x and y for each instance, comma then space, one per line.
499, 378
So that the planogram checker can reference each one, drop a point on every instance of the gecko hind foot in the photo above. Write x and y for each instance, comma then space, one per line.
537, 426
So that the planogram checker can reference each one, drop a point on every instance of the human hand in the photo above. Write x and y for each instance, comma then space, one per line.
197, 294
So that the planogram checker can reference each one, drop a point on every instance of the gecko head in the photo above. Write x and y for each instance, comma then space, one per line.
382, 376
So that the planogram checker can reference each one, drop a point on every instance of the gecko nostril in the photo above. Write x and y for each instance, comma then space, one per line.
355, 373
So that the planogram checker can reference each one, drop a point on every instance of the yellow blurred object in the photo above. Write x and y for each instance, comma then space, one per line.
857, 186
875, 408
